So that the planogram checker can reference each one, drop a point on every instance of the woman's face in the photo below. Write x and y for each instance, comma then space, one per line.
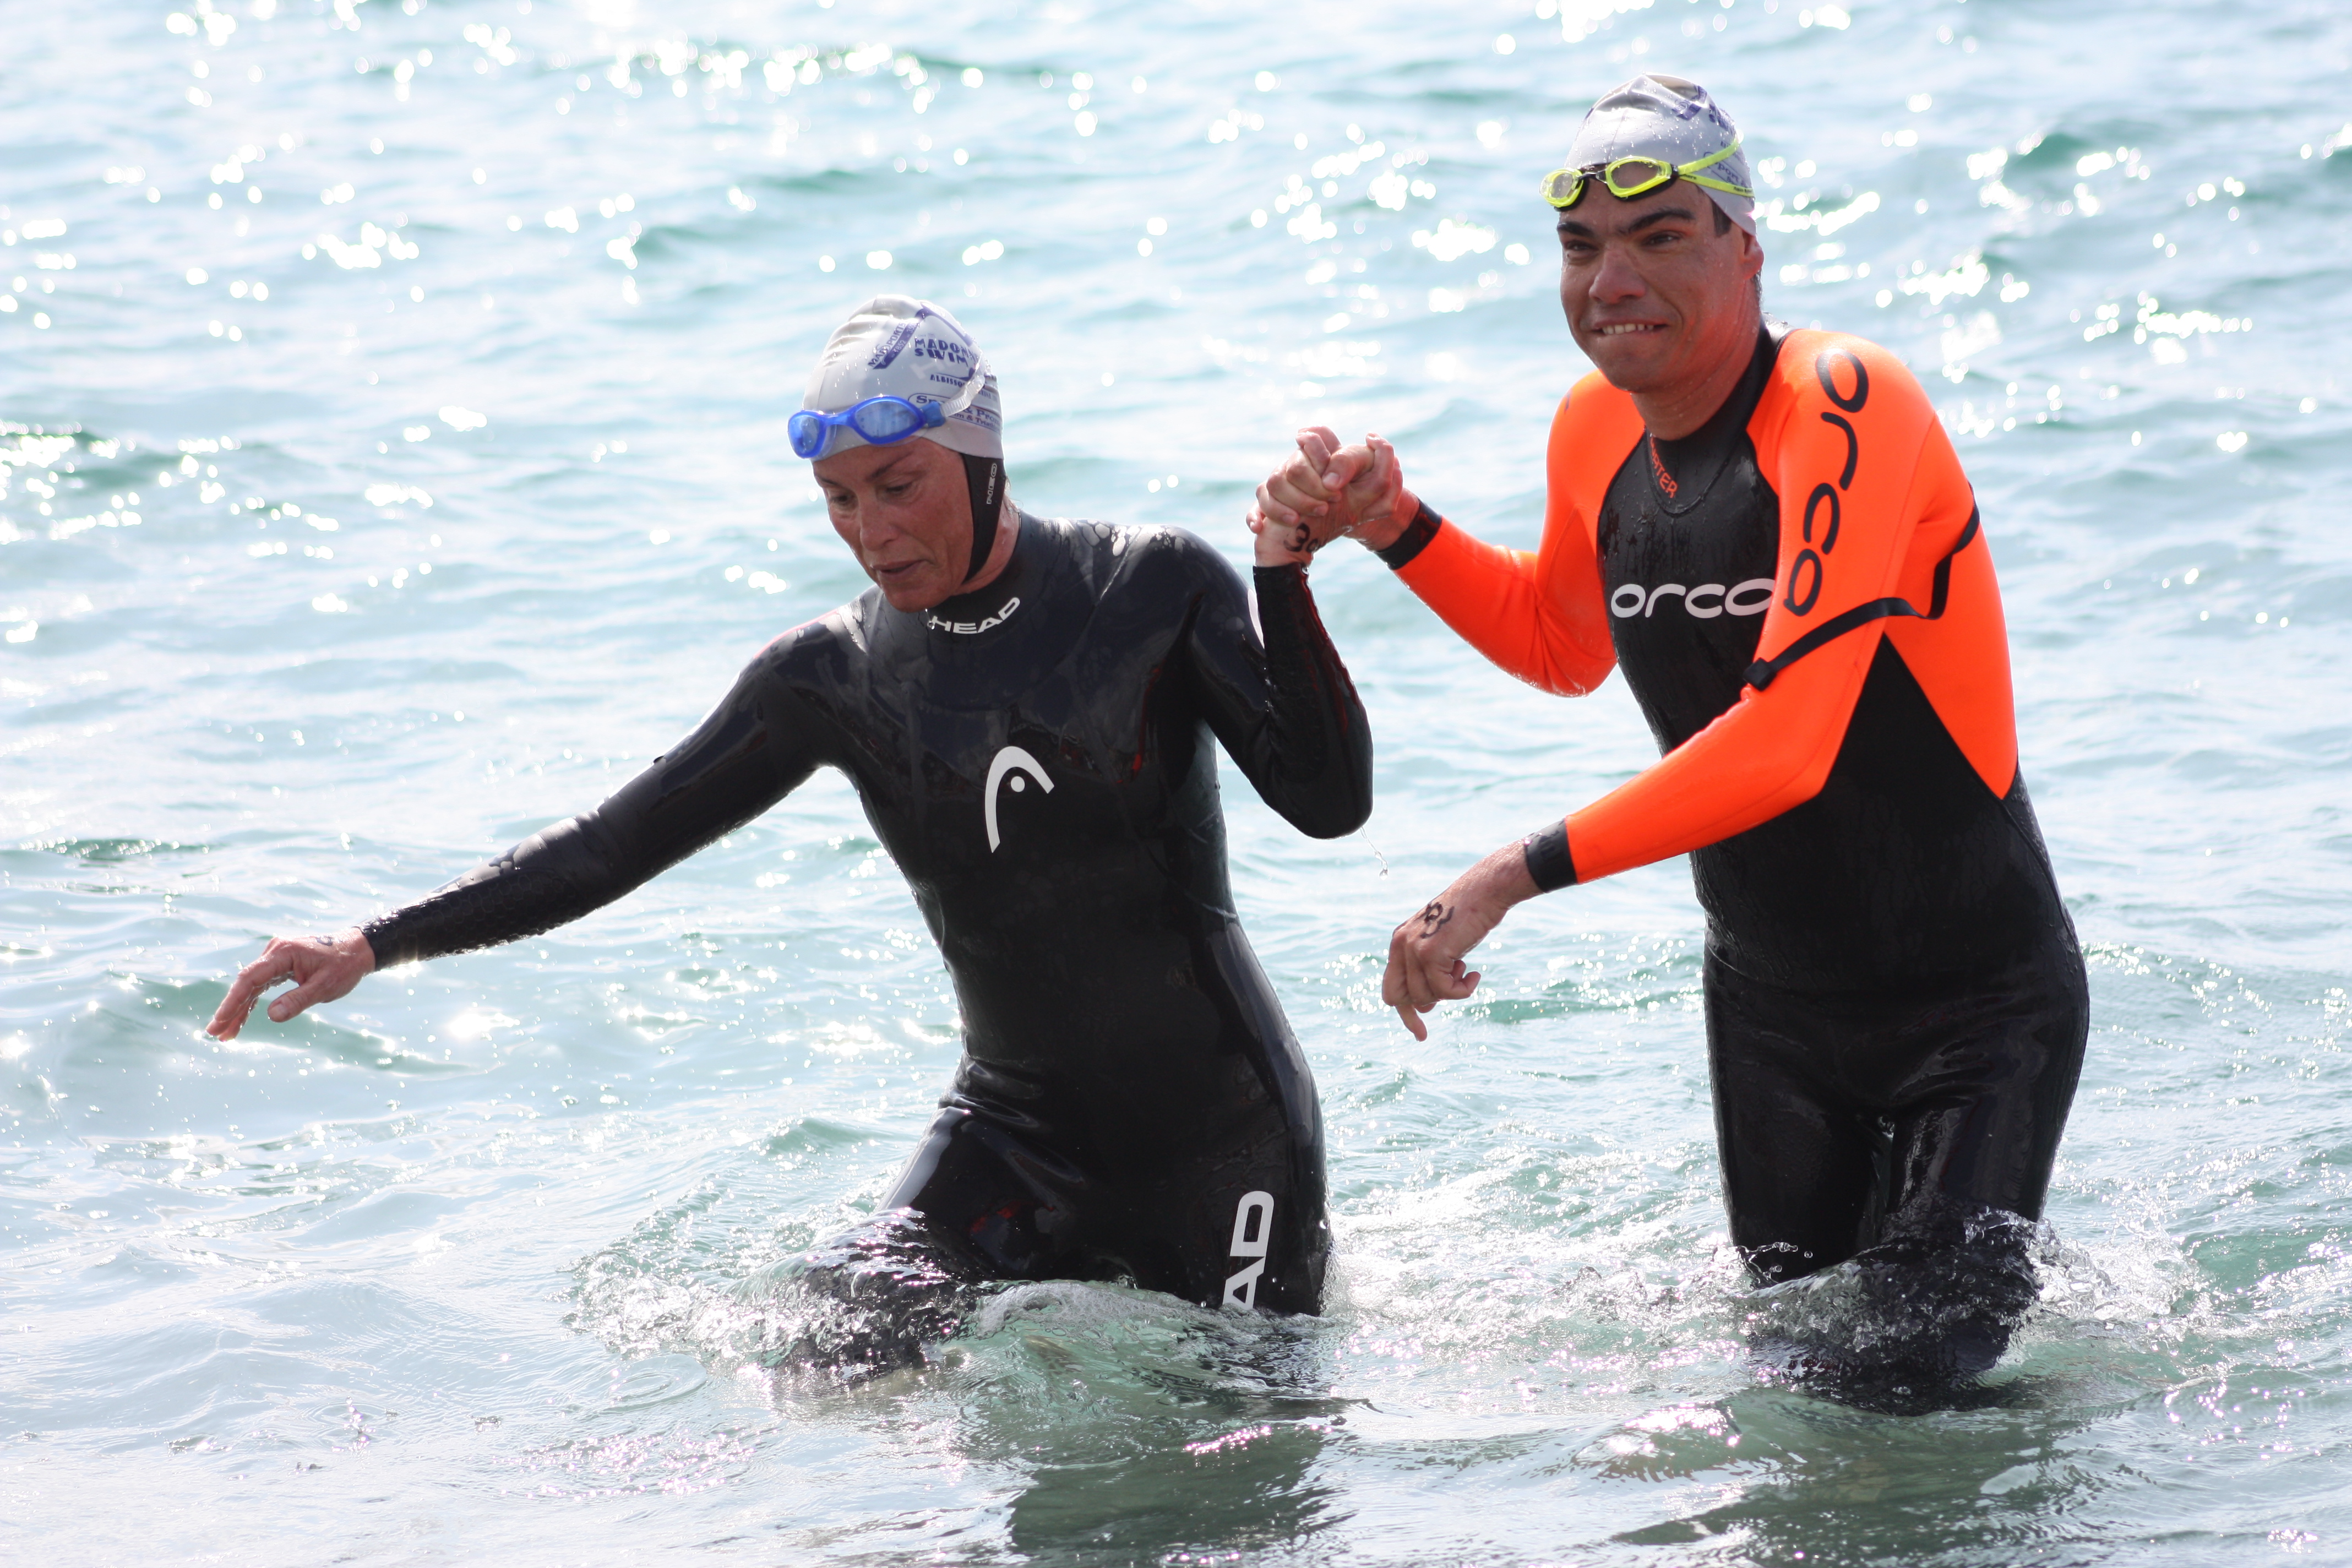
905, 512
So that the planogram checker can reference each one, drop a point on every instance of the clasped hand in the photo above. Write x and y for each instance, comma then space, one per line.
1327, 490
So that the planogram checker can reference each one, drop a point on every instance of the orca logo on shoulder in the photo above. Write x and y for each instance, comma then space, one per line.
1014, 760
1253, 1233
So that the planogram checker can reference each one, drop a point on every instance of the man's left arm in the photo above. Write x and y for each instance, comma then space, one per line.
1283, 706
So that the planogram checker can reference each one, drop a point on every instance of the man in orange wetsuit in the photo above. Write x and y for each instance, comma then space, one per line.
1771, 535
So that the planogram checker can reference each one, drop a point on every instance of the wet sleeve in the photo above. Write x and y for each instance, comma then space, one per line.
1867, 531
756, 746
1283, 706
1540, 614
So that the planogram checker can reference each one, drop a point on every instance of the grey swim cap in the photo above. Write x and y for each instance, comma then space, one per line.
895, 346
1666, 117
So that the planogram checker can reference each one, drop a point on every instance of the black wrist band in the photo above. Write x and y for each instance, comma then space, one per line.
1548, 861
1413, 540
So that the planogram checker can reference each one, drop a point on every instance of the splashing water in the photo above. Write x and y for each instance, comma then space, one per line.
390, 460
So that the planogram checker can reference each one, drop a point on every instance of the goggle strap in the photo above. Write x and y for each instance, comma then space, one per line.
1691, 172
1724, 185
972, 389
1709, 160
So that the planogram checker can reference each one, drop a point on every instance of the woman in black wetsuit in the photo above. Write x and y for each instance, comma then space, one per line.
1025, 706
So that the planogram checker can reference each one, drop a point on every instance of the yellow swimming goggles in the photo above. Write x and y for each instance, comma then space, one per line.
1636, 175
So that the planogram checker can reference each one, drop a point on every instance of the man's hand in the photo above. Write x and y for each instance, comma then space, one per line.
323, 970
1329, 489
1425, 952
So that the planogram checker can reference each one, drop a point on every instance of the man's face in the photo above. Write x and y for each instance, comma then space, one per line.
905, 512
1654, 297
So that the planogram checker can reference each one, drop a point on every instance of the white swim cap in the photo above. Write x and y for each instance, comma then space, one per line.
894, 346
1666, 117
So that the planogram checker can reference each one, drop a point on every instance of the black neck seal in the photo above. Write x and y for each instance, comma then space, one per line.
985, 477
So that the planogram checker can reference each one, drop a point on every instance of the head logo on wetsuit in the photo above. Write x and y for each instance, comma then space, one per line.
1253, 1232
1014, 760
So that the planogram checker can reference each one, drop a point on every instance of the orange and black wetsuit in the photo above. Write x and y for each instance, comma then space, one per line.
1803, 602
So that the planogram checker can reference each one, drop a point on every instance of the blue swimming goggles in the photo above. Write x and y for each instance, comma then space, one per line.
882, 421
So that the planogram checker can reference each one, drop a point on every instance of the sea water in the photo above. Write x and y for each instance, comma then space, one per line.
394, 461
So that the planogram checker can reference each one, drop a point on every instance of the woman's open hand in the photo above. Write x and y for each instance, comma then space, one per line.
323, 969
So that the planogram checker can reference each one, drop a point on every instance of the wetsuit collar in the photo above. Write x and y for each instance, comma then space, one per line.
1681, 471
985, 609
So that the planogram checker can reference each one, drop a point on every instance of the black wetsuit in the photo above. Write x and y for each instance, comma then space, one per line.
1895, 1004
1036, 757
